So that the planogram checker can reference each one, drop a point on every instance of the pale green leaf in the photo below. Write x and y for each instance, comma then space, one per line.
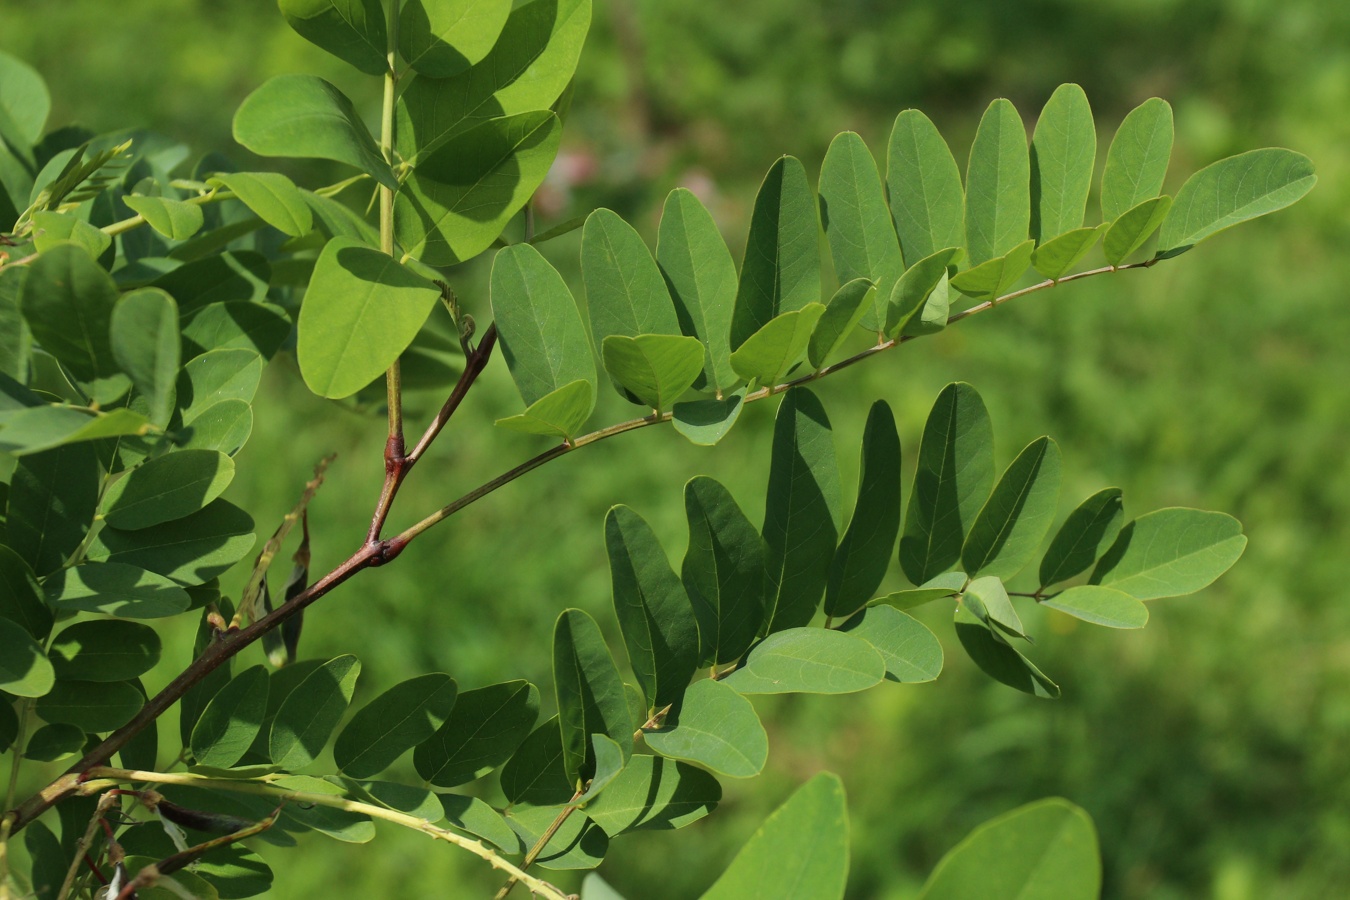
561, 413
912, 653
1013, 522
857, 222
51, 228
1136, 163
1134, 227
769, 354
716, 727
654, 794
705, 422
809, 661
441, 38
177, 220
115, 589
995, 277
702, 281
849, 305
911, 292
274, 197
924, 183
167, 488
998, 189
656, 368
1056, 257
1063, 151
1171, 552
1100, 606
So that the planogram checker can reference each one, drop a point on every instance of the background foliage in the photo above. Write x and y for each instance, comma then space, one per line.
1206, 747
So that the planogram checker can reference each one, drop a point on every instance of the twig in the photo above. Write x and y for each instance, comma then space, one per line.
538, 848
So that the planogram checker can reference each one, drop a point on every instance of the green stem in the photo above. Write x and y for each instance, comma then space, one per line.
394, 447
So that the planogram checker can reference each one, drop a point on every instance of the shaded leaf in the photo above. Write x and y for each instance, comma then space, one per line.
1133, 229
476, 817
561, 413
51, 228
20, 597
912, 653
849, 306
104, 650
24, 670
482, 732
768, 355
857, 223
589, 692
998, 198
53, 496
701, 278
809, 661
116, 589
655, 368
351, 30
167, 488
68, 301
230, 374
987, 600
1087, 531
912, 291
999, 661
1013, 522
705, 422
189, 550
146, 344
861, 560
723, 571
311, 711
536, 773
578, 844
94, 706
654, 794
716, 727
441, 38
393, 723
912, 598
231, 720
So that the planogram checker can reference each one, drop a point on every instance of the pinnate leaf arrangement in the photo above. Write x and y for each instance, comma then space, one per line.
141, 301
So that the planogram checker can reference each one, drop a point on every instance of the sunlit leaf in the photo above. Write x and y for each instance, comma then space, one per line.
998, 198
1063, 151
924, 184
716, 727
1171, 552
809, 661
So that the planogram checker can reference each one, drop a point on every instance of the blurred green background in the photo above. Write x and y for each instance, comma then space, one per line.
1212, 749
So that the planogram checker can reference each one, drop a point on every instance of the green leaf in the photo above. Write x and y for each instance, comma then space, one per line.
1134, 227
459, 198
561, 413
767, 356
273, 196
223, 426
115, 589
230, 374
1045, 850
912, 653
809, 661
310, 712
1009, 529
307, 117
68, 302
216, 279
998, 189
40, 428
51, 228
167, 488
846, 309
528, 69
589, 692
476, 817
723, 571
104, 650
801, 850
701, 279
705, 422
999, 661
924, 184
861, 560
9, 728
441, 38
1229, 192
1100, 606
1087, 532
801, 511
1171, 552
857, 223
351, 30
190, 550
16, 342
715, 727
655, 368
593, 887
935, 314
912, 598
912, 291
393, 723
362, 310
94, 706
147, 346
955, 473
609, 764
53, 742
24, 104
625, 293
231, 720
335, 219
658, 625
482, 732
654, 794
995, 277
339, 824
177, 220
261, 327
24, 670
987, 599
543, 339
578, 844
1057, 256
49, 859
781, 271
536, 773
20, 597
1063, 152
53, 496
1136, 163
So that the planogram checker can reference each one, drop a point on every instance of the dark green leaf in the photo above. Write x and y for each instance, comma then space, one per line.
654, 794
801, 850
335, 219
190, 550
441, 38
1134, 227
705, 422
68, 302
1063, 151
998, 192
104, 650
995, 277
484, 729
92, 705
912, 291
723, 571
459, 198
801, 511
912, 653
351, 30
273, 196
849, 306
766, 356
1229, 192
927, 200
53, 496
561, 413
809, 661
655, 368
1009, 529
578, 844
146, 344
361, 311
20, 597
1046, 849
49, 858
167, 488
476, 817
955, 473
1056, 257
1136, 163
339, 824
1171, 552
393, 723
230, 374
24, 670
310, 713
24, 104
702, 281
609, 764
589, 692
217, 279
781, 271
223, 426
177, 220
1087, 531
9, 727
16, 343
536, 773
861, 560
999, 661
54, 742
231, 720
1100, 606
260, 327
715, 727
304, 116
857, 223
